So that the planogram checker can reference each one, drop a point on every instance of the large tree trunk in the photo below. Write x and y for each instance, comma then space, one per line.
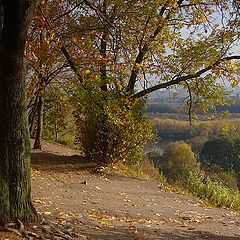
15, 183
38, 137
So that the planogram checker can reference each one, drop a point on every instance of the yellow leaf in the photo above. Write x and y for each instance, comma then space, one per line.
106, 223
234, 83
48, 213
170, 44
87, 71
138, 65
175, 5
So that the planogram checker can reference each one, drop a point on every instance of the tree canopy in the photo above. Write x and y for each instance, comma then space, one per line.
138, 47
120, 51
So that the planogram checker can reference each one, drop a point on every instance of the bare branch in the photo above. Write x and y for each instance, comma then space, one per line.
98, 12
144, 50
63, 49
67, 12
177, 80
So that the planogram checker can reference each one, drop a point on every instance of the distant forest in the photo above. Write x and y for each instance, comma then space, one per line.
159, 106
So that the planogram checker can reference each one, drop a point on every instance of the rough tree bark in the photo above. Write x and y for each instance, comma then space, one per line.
15, 184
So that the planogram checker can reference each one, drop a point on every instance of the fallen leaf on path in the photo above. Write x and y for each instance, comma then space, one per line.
48, 213
184, 225
38, 201
104, 223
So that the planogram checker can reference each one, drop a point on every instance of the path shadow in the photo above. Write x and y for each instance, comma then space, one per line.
151, 234
60, 163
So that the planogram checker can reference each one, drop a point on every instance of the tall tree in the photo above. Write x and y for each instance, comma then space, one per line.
15, 184
47, 65
132, 48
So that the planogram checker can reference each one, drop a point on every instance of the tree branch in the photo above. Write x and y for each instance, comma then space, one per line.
98, 12
63, 49
144, 50
68, 12
178, 80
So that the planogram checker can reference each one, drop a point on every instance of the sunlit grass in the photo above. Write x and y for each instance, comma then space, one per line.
213, 192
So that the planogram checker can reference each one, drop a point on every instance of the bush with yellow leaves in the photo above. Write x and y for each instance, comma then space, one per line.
111, 126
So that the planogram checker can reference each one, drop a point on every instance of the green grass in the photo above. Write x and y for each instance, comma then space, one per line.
145, 171
213, 192
67, 140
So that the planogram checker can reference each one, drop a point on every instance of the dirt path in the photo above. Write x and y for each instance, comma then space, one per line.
101, 207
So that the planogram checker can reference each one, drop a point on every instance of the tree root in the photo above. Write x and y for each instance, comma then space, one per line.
50, 229
9, 227
56, 230
19, 229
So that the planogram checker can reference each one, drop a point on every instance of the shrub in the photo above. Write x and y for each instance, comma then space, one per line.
226, 178
223, 151
220, 151
197, 143
157, 159
149, 169
111, 127
214, 192
180, 160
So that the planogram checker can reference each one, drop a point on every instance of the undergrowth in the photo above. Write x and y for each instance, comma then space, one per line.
213, 192
144, 171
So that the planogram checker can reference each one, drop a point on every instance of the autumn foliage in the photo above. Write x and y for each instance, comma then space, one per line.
112, 54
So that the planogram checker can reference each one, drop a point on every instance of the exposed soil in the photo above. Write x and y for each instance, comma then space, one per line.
76, 203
